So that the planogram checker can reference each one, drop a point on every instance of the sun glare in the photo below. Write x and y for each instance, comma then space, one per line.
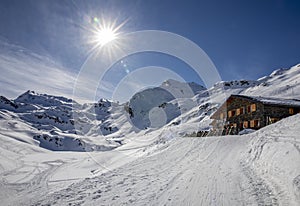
104, 33
105, 36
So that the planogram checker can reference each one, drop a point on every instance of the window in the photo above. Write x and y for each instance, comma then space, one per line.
254, 123
248, 108
257, 123
242, 110
238, 111
221, 116
241, 125
291, 110
233, 112
273, 120
245, 125
253, 107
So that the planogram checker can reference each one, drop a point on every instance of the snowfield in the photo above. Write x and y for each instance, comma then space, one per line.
261, 168
55, 151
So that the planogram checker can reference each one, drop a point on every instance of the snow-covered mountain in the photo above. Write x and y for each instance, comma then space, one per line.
157, 106
55, 127
63, 124
135, 153
280, 83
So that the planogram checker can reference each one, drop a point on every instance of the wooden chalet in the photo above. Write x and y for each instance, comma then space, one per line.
239, 112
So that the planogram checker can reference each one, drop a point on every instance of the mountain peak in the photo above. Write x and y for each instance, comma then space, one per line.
182, 88
32, 97
26, 95
170, 82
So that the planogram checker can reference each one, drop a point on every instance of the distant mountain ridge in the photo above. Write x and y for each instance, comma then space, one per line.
59, 123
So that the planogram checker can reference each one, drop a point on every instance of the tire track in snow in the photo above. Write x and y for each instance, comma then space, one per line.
24, 192
263, 187
259, 189
184, 173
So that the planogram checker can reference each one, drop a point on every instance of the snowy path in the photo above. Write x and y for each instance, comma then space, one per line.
190, 171
262, 168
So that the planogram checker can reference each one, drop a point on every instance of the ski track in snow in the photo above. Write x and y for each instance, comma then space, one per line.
192, 171
230, 170
152, 167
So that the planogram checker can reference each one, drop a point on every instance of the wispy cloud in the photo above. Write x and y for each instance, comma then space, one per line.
23, 70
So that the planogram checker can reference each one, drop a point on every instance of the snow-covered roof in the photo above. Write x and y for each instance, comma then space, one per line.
272, 100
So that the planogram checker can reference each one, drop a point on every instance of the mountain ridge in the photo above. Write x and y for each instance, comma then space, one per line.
102, 125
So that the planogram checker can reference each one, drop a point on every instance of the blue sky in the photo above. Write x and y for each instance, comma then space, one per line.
244, 39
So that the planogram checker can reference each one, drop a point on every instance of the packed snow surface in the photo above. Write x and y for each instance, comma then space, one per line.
55, 151
261, 168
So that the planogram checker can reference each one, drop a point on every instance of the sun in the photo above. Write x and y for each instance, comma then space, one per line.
105, 35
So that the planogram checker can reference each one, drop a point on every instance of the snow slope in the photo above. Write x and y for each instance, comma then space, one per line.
135, 154
262, 168
280, 83
58, 123
64, 124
